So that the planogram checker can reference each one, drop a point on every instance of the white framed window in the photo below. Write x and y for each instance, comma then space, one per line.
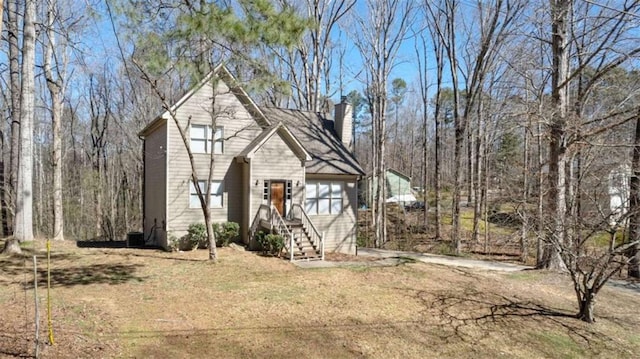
216, 194
323, 197
203, 139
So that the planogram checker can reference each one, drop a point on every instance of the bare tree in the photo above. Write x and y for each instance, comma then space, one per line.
315, 48
24, 197
595, 49
14, 76
378, 36
634, 206
423, 78
55, 77
495, 21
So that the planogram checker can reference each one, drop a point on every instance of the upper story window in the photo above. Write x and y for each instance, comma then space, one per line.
203, 139
323, 197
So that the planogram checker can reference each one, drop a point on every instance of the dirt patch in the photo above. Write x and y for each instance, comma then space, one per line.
120, 302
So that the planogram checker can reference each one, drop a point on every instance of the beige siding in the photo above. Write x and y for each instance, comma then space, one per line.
167, 201
155, 185
339, 230
238, 126
247, 186
275, 161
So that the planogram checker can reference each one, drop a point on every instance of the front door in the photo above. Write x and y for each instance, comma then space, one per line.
277, 197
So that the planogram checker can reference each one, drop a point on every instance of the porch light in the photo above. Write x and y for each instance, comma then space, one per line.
257, 182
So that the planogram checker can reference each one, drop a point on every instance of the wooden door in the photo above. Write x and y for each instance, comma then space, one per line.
277, 197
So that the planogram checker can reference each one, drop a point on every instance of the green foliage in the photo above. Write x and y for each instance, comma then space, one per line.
196, 235
602, 239
270, 243
398, 90
358, 103
563, 345
193, 38
276, 243
362, 240
446, 105
173, 242
26, 244
444, 248
225, 232
152, 51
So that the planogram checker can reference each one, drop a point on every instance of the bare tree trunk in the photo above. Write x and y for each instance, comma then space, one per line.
378, 37
24, 199
485, 192
14, 76
379, 221
525, 199
634, 206
477, 172
586, 304
460, 128
437, 170
472, 142
541, 219
38, 192
556, 194
55, 86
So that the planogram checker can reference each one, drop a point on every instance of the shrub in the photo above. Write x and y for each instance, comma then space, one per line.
276, 244
362, 240
173, 242
225, 232
270, 243
261, 238
196, 235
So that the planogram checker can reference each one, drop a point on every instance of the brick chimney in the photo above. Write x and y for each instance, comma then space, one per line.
343, 122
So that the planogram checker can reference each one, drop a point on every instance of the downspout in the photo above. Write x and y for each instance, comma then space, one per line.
246, 200
144, 180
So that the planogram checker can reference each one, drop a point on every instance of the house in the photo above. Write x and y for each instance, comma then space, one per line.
398, 186
619, 195
278, 170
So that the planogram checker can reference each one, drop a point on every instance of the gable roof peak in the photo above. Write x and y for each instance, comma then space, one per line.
222, 73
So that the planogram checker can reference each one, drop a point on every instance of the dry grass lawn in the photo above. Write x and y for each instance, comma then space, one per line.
146, 303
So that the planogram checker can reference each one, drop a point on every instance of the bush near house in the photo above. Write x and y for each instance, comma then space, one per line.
270, 243
225, 232
196, 236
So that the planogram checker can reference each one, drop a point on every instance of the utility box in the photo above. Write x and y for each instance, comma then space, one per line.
135, 239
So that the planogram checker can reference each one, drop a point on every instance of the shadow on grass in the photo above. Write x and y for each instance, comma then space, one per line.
101, 244
149, 251
15, 269
112, 244
162, 255
468, 308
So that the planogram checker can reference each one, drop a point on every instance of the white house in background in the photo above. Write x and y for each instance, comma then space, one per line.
280, 170
619, 193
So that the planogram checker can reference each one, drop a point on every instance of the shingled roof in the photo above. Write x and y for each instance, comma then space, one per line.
319, 139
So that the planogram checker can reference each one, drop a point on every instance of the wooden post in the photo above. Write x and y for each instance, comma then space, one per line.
322, 245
